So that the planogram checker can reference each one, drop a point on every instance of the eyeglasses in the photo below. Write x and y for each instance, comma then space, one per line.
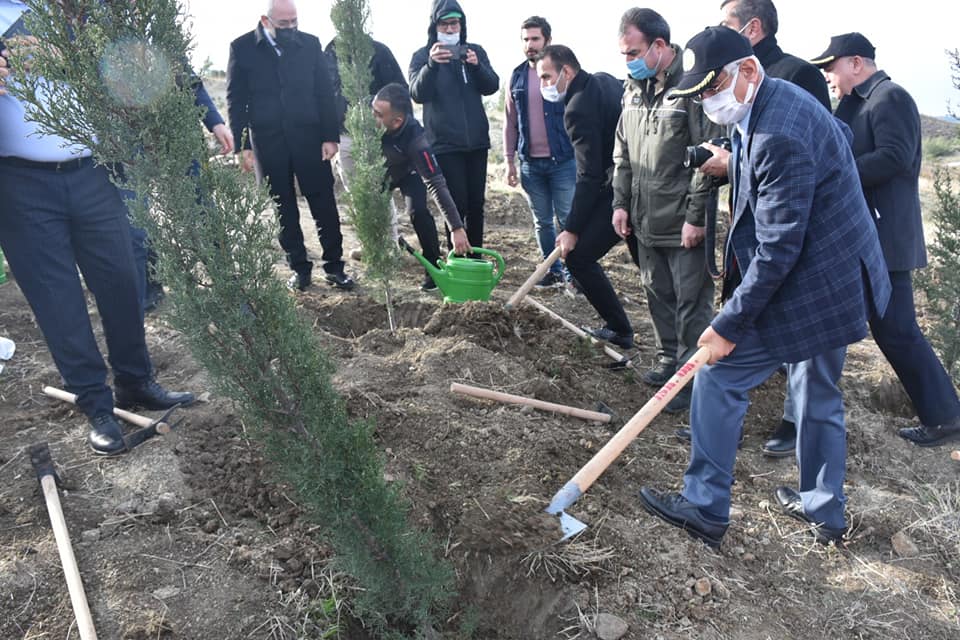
449, 24
713, 89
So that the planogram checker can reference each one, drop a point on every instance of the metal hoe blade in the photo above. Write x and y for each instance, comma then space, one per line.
569, 494
570, 525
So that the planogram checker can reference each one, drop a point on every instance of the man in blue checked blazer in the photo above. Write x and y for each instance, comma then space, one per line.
804, 272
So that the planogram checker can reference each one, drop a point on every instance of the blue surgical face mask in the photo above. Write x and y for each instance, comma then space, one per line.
638, 69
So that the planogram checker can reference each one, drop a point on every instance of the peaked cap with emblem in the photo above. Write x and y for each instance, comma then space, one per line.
848, 44
705, 55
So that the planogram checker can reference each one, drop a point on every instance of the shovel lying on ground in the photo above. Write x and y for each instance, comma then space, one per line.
43, 464
589, 473
486, 394
148, 428
537, 275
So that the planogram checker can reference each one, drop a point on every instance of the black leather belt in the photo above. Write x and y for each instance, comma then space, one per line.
59, 167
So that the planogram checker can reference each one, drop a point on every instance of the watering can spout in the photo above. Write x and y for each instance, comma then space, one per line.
439, 275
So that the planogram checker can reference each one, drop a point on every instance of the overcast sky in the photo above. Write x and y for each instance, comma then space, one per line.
910, 37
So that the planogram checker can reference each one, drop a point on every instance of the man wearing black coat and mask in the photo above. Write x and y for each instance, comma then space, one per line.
449, 77
593, 106
284, 120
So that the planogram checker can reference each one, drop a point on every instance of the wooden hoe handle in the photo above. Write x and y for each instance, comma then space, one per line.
612, 353
615, 446
538, 273
43, 464
132, 418
508, 398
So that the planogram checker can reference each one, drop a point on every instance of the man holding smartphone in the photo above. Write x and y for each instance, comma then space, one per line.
449, 77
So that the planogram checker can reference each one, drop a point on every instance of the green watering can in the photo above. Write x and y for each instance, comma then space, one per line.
462, 279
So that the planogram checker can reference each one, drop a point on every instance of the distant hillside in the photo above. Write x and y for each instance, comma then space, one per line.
938, 128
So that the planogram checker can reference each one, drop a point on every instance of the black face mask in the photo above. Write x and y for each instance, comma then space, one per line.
285, 37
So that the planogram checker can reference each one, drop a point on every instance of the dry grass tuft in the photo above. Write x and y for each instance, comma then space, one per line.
570, 560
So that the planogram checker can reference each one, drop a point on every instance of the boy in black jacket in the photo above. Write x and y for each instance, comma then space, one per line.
412, 167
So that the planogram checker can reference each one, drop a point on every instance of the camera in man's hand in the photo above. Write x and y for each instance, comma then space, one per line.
694, 157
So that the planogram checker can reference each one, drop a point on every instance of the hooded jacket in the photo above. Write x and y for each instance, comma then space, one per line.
452, 94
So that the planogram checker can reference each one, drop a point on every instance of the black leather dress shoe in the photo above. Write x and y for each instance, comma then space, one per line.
660, 374
299, 282
674, 509
150, 396
783, 442
622, 340
340, 280
924, 436
792, 505
106, 436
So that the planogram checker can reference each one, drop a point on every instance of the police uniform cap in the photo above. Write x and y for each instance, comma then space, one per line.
705, 55
847, 44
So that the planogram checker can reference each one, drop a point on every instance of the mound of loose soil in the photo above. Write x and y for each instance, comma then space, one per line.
188, 537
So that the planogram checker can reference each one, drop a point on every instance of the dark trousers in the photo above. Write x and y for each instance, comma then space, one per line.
50, 224
583, 263
680, 297
323, 208
415, 196
899, 337
466, 175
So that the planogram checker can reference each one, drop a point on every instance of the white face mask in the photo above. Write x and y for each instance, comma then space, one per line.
448, 39
552, 93
724, 108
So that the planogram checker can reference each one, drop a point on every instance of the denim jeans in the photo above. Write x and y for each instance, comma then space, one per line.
549, 186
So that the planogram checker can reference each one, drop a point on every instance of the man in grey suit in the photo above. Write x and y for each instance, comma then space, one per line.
804, 272
886, 143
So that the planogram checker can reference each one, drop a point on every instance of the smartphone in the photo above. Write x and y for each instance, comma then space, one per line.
457, 51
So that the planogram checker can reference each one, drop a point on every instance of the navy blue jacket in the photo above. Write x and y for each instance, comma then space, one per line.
802, 236
886, 143
452, 94
561, 149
